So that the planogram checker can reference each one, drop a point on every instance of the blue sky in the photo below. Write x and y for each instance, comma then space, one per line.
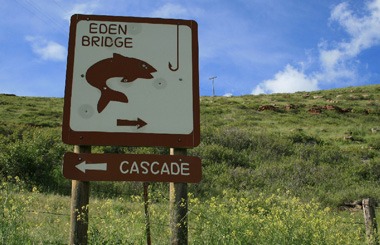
252, 46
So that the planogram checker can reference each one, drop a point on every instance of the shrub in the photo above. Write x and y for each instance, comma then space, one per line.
216, 154
302, 138
35, 155
274, 219
14, 204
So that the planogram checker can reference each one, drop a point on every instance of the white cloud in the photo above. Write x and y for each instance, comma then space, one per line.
287, 81
80, 8
47, 50
337, 62
170, 10
258, 90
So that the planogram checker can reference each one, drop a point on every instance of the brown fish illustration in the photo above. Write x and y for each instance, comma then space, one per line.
128, 68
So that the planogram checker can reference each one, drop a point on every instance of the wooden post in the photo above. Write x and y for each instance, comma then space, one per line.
370, 221
80, 194
178, 208
147, 219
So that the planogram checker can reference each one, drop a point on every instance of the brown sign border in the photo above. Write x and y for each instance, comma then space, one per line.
113, 167
70, 136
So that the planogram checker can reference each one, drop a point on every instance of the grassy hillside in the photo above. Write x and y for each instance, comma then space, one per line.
277, 169
321, 145
32, 111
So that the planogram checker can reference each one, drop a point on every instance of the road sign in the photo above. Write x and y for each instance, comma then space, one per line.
132, 82
132, 167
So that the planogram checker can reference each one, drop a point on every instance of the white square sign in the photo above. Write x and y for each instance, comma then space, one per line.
132, 81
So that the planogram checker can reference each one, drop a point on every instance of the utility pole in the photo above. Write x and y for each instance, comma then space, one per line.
213, 88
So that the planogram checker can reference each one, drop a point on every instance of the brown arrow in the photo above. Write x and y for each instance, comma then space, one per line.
125, 122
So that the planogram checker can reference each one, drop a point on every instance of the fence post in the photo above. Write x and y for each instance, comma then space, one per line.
146, 209
370, 221
80, 193
178, 208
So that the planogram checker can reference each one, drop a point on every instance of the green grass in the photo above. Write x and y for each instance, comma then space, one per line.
324, 160
33, 111
279, 218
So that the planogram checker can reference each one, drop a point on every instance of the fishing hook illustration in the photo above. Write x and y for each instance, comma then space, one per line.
170, 65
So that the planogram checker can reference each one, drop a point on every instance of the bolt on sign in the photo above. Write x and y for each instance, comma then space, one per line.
132, 82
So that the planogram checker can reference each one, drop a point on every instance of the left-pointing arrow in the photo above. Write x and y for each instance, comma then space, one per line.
83, 166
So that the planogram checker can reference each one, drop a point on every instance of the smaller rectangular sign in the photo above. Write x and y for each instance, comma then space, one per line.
132, 167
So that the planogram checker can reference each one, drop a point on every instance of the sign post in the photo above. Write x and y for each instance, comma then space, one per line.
131, 81
80, 194
178, 208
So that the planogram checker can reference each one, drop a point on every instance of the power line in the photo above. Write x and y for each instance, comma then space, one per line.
43, 15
